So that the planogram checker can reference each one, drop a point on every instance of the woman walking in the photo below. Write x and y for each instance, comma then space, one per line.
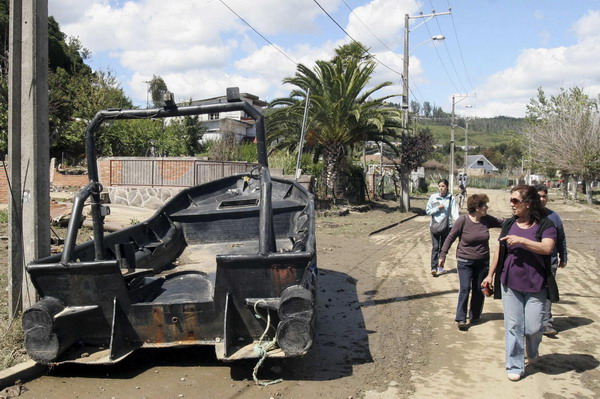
472, 255
443, 211
522, 277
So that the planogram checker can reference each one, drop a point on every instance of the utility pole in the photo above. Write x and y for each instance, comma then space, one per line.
452, 126
29, 145
466, 145
404, 203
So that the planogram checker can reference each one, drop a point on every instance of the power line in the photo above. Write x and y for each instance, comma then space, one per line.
355, 41
258, 33
367, 28
438, 53
450, 56
459, 49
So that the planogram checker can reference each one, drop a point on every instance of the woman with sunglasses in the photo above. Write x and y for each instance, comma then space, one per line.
472, 255
519, 273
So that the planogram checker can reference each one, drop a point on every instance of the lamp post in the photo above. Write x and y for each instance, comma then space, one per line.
466, 140
406, 60
452, 126
405, 201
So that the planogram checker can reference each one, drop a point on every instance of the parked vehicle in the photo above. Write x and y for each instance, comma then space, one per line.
230, 263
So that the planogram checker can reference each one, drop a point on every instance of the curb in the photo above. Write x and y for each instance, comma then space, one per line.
394, 224
23, 371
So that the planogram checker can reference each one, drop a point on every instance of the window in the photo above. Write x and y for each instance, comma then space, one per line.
479, 163
213, 117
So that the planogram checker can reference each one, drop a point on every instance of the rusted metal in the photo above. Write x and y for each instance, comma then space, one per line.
198, 272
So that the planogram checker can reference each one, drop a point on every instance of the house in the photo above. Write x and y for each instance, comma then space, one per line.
479, 164
236, 122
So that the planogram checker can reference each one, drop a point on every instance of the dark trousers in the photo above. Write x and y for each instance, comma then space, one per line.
470, 274
437, 241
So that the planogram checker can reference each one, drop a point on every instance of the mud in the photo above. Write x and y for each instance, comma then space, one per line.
385, 329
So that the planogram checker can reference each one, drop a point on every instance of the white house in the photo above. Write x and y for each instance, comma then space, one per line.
237, 122
479, 164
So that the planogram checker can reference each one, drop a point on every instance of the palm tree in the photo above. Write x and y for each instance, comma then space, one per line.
342, 112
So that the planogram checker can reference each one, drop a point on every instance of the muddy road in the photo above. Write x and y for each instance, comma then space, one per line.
385, 329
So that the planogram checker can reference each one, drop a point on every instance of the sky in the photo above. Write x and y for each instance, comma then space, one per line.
495, 56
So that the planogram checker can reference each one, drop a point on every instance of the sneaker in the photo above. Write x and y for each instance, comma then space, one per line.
434, 272
550, 331
514, 377
462, 325
440, 271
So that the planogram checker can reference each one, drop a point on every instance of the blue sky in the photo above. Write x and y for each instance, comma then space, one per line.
496, 51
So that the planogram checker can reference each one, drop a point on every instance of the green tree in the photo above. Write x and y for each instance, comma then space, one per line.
158, 88
342, 113
427, 109
564, 133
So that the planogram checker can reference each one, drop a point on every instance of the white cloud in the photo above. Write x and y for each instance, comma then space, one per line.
385, 22
509, 91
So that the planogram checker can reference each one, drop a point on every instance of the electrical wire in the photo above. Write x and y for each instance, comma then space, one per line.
367, 28
258, 33
355, 41
449, 55
438, 53
459, 48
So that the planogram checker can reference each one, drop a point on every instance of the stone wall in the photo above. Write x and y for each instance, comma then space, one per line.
142, 197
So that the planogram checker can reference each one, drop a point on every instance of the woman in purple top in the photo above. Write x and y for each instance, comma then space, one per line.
519, 271
472, 255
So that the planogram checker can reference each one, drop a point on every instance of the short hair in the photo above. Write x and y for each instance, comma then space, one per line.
541, 187
476, 201
445, 181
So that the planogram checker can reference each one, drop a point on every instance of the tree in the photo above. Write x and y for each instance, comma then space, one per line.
342, 110
415, 107
564, 133
158, 89
427, 109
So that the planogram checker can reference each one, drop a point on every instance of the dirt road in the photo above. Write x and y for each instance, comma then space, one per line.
385, 330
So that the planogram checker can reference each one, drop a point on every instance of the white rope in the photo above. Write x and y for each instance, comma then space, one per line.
262, 349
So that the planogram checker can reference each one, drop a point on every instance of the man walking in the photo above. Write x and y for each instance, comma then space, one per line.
558, 257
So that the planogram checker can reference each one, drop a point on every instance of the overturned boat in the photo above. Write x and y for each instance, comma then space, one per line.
230, 263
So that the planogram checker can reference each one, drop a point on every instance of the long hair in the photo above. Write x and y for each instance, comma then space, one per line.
529, 194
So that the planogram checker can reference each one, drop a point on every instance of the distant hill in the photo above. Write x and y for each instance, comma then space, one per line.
483, 132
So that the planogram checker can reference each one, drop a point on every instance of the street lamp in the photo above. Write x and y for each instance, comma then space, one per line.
452, 126
405, 202
466, 139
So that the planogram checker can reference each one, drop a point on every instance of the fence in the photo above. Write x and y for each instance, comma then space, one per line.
173, 172
490, 182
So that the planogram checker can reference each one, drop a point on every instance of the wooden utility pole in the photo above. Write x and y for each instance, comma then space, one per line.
28, 145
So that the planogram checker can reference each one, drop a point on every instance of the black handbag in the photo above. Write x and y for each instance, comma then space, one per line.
441, 227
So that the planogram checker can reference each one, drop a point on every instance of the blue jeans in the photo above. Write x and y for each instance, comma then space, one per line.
470, 275
548, 319
523, 329
437, 241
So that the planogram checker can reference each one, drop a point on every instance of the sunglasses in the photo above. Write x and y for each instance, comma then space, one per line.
515, 201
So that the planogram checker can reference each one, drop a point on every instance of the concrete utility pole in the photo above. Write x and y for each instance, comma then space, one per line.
452, 125
29, 145
404, 203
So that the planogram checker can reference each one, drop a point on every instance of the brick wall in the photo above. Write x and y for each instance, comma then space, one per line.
58, 180
64, 180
